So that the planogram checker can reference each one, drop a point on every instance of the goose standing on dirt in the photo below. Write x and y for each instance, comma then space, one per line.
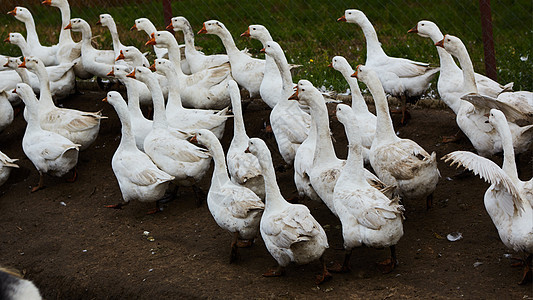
49, 152
138, 177
204, 89
289, 231
14, 287
366, 119
272, 84
471, 116
244, 169
235, 208
46, 54
6, 164
450, 79
196, 60
398, 162
78, 126
289, 122
399, 77
509, 200
247, 71
187, 118
367, 216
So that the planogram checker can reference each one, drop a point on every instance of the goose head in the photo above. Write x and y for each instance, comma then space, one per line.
365, 74
78, 25
258, 32
162, 66
131, 54
15, 38
204, 137
26, 93
21, 13
142, 74
114, 98
426, 29
162, 38
452, 44
32, 63
273, 49
178, 23
106, 20
306, 93
143, 24
56, 3
344, 113
120, 71
497, 119
340, 64
212, 27
13, 62
353, 16
259, 149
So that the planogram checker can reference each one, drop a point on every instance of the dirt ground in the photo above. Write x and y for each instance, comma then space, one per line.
72, 247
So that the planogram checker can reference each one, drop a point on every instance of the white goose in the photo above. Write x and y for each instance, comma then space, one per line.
399, 77
168, 148
398, 162
14, 287
289, 122
471, 117
6, 164
368, 217
450, 79
235, 208
69, 50
366, 119
247, 71
289, 231
49, 152
138, 177
140, 125
509, 201
78, 126
203, 89
133, 57
96, 62
244, 169
188, 118
325, 167
6, 111
46, 54
272, 83
148, 27
196, 60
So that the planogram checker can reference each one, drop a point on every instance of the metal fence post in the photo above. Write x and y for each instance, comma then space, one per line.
488, 41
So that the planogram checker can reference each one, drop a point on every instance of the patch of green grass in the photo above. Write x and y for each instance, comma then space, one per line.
310, 35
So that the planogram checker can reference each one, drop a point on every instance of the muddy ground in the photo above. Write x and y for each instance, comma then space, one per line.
72, 247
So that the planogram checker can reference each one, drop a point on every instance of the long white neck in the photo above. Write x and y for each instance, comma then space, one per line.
114, 36
228, 42
24, 48
509, 163
174, 98
373, 46
447, 64
86, 36
64, 35
33, 117
128, 139
174, 55
32, 37
384, 128
353, 169
273, 196
220, 172
133, 97
45, 97
286, 77
188, 36
23, 74
358, 102
469, 80
239, 131
160, 117
324, 149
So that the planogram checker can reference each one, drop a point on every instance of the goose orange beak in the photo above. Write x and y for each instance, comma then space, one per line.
7, 40
356, 72
330, 65
69, 26
12, 12
120, 56
294, 96
413, 30
151, 41
203, 30
246, 33
131, 75
99, 22
111, 74
6, 65
341, 19
152, 68
193, 139
23, 64
47, 2
262, 50
14, 91
134, 27
104, 100
440, 43
247, 150
170, 27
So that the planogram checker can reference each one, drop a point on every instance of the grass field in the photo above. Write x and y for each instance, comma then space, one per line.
309, 33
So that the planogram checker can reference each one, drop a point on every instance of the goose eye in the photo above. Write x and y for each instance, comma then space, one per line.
349, 13
253, 28
159, 34
303, 90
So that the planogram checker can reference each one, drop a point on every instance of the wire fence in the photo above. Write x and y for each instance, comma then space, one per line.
307, 29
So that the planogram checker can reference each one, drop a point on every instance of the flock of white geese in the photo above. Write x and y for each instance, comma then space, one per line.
190, 93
